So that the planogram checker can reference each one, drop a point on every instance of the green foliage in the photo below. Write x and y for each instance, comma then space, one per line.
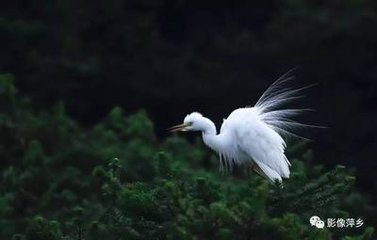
170, 55
43, 229
117, 181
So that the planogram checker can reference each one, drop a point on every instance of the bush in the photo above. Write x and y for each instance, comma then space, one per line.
116, 180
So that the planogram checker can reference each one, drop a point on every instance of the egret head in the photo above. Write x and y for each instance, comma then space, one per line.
192, 122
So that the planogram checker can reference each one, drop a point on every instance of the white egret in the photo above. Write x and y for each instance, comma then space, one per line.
253, 135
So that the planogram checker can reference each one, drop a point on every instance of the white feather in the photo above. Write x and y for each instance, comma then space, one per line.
276, 96
251, 135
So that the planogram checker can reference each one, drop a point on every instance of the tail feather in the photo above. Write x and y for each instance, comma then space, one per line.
271, 174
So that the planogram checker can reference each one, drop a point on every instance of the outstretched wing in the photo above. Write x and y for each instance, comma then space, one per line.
274, 97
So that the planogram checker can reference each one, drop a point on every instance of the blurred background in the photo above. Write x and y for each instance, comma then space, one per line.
171, 57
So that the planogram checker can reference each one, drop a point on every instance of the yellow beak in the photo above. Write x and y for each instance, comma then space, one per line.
181, 127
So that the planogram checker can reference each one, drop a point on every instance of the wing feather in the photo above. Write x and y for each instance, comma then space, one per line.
262, 144
258, 130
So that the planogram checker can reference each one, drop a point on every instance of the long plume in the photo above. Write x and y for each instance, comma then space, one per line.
273, 98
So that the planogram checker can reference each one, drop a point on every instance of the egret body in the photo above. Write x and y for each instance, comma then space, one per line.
252, 135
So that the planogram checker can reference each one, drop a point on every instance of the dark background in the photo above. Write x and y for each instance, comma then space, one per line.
172, 57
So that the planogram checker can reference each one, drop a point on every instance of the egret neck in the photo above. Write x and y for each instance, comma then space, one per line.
210, 137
